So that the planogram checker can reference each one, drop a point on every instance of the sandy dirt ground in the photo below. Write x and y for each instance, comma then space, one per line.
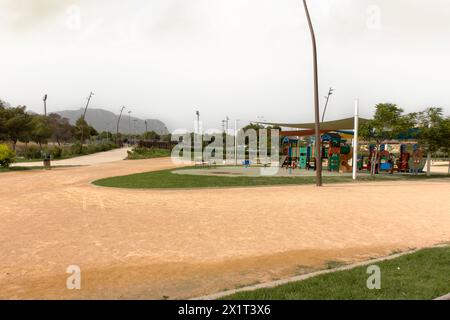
159, 244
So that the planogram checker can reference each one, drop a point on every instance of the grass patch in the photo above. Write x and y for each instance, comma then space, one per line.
332, 264
19, 169
13, 169
423, 275
147, 153
166, 180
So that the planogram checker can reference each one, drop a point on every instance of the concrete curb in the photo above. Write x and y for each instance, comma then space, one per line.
302, 277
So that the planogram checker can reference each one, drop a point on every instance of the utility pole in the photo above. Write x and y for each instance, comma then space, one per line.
330, 93
223, 126
316, 100
146, 126
45, 104
227, 121
84, 119
118, 122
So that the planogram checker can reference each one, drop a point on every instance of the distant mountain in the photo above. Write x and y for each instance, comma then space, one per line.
103, 120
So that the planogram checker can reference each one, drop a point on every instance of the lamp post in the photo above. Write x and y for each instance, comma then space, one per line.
84, 120
316, 100
129, 122
45, 104
118, 122
197, 113
327, 99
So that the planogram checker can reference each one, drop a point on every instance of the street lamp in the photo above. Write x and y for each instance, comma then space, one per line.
327, 99
129, 122
45, 104
197, 113
84, 119
316, 100
118, 122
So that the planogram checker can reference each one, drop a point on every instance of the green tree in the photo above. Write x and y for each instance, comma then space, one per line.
387, 124
16, 124
431, 132
41, 130
151, 135
6, 156
84, 130
62, 130
445, 132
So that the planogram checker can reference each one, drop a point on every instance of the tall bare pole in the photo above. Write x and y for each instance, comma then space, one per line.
316, 100
45, 104
327, 99
197, 113
87, 104
84, 119
118, 123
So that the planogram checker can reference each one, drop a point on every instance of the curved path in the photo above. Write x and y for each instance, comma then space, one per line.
96, 158
185, 243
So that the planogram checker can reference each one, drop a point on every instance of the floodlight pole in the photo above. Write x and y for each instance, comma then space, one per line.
118, 122
45, 104
198, 121
355, 140
330, 92
316, 100
84, 119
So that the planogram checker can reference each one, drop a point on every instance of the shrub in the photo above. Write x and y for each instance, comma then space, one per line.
6, 156
31, 152
56, 152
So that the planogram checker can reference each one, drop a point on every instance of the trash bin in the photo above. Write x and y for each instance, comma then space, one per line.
47, 163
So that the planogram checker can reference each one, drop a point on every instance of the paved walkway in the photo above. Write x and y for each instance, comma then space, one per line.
96, 158
186, 243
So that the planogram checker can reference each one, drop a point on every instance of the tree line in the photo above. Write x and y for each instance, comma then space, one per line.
16, 124
430, 128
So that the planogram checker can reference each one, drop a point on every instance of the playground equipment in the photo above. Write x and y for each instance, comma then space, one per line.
336, 153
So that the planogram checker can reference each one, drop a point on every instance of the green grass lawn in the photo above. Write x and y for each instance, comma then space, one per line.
166, 179
18, 168
14, 169
423, 275
147, 153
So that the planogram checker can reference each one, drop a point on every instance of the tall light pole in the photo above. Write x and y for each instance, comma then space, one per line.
197, 113
45, 104
327, 99
118, 122
87, 104
146, 126
129, 122
316, 100
84, 119
134, 130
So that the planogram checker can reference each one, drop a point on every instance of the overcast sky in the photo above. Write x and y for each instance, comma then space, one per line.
239, 58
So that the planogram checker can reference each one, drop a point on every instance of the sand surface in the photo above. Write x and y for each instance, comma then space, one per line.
184, 243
